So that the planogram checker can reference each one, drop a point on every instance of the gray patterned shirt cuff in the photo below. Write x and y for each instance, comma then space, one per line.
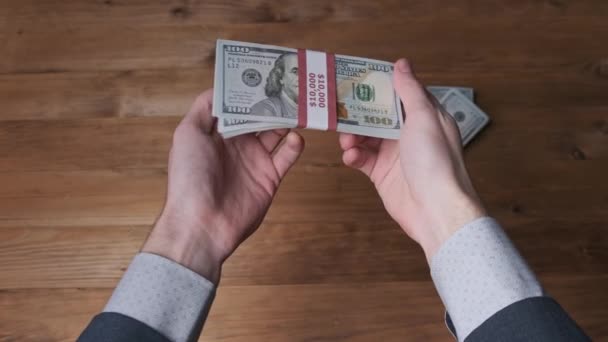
164, 295
478, 272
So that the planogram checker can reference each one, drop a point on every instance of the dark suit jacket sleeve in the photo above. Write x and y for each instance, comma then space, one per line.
536, 319
114, 327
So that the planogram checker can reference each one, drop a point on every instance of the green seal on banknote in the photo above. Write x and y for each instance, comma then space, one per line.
365, 92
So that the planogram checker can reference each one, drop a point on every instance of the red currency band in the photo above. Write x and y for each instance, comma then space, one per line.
330, 76
302, 102
332, 117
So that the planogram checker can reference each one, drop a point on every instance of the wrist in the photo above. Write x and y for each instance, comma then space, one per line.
446, 221
186, 244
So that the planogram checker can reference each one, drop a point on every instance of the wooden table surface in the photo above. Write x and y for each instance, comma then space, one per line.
90, 92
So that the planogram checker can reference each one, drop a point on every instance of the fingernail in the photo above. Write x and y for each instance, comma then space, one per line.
403, 65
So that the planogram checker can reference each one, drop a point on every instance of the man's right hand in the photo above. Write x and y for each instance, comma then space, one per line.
421, 178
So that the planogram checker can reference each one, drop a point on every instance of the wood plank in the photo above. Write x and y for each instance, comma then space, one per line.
487, 175
304, 207
88, 48
305, 176
70, 13
312, 192
363, 205
360, 312
113, 143
85, 144
67, 257
55, 315
167, 92
294, 253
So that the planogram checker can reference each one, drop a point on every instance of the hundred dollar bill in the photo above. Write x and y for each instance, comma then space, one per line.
440, 91
256, 87
469, 118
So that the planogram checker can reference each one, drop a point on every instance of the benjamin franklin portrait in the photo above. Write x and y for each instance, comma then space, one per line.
281, 89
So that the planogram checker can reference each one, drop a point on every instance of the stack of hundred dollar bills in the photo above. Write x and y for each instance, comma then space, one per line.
256, 89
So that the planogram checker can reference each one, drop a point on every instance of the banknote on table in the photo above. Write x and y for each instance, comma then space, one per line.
469, 118
256, 88
256, 84
440, 91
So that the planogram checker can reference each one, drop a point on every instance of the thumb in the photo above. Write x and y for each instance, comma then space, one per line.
287, 154
413, 95
200, 112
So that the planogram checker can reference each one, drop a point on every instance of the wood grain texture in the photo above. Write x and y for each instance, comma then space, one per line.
91, 92
282, 254
96, 47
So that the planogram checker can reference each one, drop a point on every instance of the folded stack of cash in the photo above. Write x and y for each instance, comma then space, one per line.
262, 87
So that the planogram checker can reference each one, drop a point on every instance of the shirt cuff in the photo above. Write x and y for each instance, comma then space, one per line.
478, 272
164, 295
